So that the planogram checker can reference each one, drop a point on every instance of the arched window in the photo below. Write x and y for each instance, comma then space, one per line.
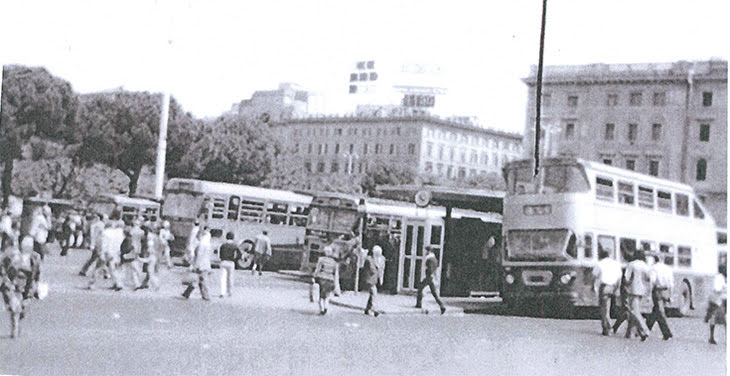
701, 169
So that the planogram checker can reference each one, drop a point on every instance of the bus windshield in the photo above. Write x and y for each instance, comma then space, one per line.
332, 219
536, 245
555, 179
184, 205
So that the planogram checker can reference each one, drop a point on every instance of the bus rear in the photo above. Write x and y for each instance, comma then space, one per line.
546, 258
332, 220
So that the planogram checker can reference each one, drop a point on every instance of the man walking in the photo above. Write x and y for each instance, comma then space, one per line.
201, 265
95, 229
165, 237
262, 251
109, 243
229, 253
192, 243
432, 264
374, 266
607, 276
638, 279
39, 227
661, 292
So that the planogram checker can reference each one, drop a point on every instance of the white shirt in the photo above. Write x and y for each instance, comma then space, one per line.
663, 276
608, 271
719, 288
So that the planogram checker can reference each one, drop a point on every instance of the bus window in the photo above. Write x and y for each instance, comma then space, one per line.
572, 248
216, 233
664, 201
604, 189
219, 206
276, 213
682, 204
628, 247
646, 197
684, 256
251, 211
625, 193
668, 253
233, 206
608, 244
298, 216
721, 237
588, 246
697, 210
435, 235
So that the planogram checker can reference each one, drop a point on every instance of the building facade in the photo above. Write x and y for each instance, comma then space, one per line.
289, 100
667, 120
425, 143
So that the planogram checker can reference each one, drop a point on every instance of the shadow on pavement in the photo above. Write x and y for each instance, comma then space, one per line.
497, 308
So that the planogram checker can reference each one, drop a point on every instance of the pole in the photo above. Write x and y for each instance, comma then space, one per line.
538, 99
162, 146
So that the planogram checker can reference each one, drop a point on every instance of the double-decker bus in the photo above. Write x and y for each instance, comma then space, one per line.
243, 210
554, 226
401, 229
130, 208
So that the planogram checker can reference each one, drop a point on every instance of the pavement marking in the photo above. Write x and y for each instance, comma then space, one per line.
352, 325
116, 315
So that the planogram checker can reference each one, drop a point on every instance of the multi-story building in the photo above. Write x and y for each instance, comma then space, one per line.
667, 120
425, 143
289, 100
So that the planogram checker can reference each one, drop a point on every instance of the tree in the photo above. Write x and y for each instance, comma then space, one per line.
34, 103
231, 150
120, 129
383, 173
491, 180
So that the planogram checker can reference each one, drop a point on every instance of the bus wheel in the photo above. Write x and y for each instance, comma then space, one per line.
246, 259
685, 299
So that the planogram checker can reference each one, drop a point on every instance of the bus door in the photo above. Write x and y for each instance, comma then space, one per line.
417, 235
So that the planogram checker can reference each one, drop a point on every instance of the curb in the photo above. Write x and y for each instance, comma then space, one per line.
450, 311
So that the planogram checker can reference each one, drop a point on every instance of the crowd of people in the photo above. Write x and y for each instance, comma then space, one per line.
646, 276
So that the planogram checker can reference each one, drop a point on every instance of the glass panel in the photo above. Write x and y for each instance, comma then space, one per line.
628, 247
664, 201
604, 189
419, 241
608, 244
418, 276
588, 246
682, 204
572, 248
668, 253
684, 256
646, 197
625, 193
406, 273
435, 235
233, 204
536, 244
409, 240
698, 213
556, 179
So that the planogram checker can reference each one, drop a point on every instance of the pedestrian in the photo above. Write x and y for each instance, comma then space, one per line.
67, 230
327, 276
229, 252
165, 237
96, 227
192, 243
638, 279
39, 227
6, 224
661, 293
110, 243
432, 264
128, 260
147, 258
607, 280
373, 276
12, 282
717, 306
201, 265
262, 252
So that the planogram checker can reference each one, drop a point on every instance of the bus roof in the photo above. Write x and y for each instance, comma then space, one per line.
407, 209
201, 186
122, 200
607, 170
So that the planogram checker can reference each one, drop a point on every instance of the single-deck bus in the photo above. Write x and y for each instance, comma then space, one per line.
401, 229
555, 225
130, 208
243, 210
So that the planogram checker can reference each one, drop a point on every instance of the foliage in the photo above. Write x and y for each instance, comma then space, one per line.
383, 173
34, 104
231, 150
492, 181
120, 129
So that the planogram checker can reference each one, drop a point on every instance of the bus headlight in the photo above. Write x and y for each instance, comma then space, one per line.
509, 278
567, 277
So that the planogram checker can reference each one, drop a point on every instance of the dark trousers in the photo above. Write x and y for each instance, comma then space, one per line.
636, 321
39, 248
92, 260
373, 292
658, 314
605, 295
428, 281
202, 275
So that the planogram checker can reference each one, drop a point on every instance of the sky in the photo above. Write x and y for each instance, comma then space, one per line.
211, 54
